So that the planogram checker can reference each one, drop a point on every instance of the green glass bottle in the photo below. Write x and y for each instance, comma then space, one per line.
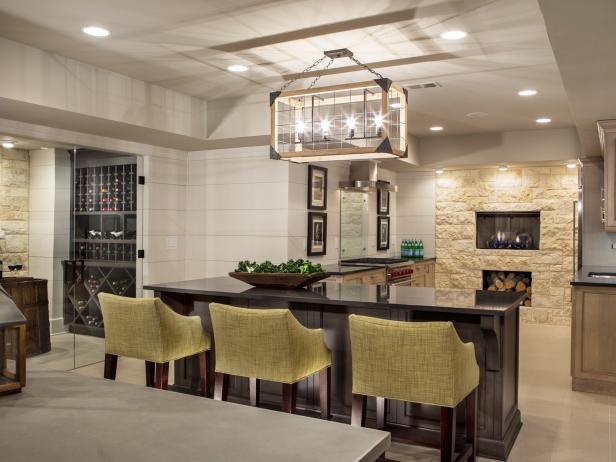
413, 248
421, 249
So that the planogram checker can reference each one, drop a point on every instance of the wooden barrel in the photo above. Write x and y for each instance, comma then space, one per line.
30, 295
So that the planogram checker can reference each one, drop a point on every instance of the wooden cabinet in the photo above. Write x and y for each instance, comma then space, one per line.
607, 134
374, 276
593, 343
423, 274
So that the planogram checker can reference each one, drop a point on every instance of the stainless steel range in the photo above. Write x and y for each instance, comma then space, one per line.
398, 270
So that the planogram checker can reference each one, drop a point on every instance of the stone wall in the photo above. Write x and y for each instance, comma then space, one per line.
550, 190
14, 180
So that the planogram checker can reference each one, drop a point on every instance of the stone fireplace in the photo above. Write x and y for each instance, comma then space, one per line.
545, 192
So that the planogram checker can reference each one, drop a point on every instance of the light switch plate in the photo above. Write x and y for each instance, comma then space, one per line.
172, 243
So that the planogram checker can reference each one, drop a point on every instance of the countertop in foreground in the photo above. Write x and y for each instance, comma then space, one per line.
583, 279
463, 301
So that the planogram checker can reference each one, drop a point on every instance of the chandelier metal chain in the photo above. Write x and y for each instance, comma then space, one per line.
308, 69
365, 66
319, 76
333, 54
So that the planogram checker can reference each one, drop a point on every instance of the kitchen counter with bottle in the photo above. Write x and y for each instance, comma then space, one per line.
488, 319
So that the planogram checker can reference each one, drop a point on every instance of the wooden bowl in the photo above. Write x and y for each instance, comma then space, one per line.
279, 280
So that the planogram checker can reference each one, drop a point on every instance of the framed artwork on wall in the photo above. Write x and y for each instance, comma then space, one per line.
382, 242
317, 233
317, 187
382, 201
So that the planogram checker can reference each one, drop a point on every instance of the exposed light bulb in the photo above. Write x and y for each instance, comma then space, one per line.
325, 125
300, 126
350, 122
395, 105
378, 120
8, 145
503, 168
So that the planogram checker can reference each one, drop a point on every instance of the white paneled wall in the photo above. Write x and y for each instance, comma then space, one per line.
298, 212
164, 218
49, 231
237, 208
416, 202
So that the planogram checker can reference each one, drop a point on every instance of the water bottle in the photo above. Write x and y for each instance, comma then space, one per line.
421, 249
412, 249
405, 249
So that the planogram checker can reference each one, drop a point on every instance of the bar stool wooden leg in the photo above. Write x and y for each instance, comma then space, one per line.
162, 375
325, 380
448, 433
111, 366
255, 389
149, 374
221, 387
358, 410
470, 404
205, 373
289, 396
20, 368
381, 410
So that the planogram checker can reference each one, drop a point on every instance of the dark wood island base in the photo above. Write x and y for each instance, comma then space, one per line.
488, 319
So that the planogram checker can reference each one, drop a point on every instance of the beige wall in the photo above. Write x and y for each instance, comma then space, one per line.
540, 145
551, 190
53, 81
14, 181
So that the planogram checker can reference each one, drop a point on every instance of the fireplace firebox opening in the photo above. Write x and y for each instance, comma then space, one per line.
508, 230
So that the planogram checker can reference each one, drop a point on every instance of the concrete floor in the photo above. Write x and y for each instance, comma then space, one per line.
559, 425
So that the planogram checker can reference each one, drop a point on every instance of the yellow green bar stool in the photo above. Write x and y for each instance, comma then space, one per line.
268, 344
148, 329
417, 362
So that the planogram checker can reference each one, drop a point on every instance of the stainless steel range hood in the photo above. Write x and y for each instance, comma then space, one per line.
364, 178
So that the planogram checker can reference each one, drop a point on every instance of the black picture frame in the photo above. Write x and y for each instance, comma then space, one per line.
317, 234
382, 241
317, 188
382, 200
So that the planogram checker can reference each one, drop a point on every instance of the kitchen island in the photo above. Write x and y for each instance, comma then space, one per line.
489, 319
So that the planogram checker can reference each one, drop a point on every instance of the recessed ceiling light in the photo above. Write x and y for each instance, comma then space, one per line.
476, 115
527, 92
438, 171
436, 128
503, 168
8, 145
96, 31
237, 68
571, 164
453, 35
543, 120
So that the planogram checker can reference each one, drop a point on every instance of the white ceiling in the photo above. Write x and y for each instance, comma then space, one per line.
583, 36
187, 45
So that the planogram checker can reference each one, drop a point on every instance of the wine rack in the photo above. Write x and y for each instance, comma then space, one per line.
104, 244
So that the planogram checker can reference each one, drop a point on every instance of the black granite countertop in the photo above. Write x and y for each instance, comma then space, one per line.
582, 277
462, 301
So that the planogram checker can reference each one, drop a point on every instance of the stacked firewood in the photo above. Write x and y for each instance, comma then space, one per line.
510, 282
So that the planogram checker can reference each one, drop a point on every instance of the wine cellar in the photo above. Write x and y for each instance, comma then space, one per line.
104, 238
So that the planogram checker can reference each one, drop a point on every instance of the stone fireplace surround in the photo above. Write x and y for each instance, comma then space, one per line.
550, 190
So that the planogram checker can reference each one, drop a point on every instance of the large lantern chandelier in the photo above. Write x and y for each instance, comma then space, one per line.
362, 120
